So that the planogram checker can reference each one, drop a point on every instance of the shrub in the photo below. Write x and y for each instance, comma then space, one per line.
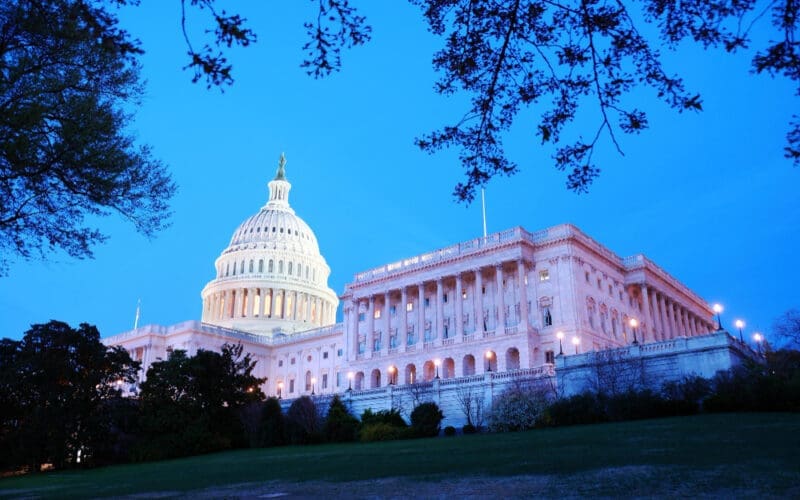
449, 431
426, 420
273, 424
381, 431
391, 417
303, 422
340, 426
469, 429
518, 408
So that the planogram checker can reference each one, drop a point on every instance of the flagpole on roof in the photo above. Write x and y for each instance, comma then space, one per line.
483, 204
138, 313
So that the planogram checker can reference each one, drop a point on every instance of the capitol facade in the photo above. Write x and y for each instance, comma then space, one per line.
508, 305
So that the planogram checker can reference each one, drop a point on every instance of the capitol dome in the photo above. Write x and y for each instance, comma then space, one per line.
271, 279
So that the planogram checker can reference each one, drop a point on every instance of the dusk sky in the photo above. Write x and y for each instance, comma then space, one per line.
707, 196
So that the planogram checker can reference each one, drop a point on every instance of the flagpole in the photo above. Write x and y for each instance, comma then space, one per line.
483, 204
138, 312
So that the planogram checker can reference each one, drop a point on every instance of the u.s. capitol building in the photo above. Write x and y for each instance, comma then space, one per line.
512, 305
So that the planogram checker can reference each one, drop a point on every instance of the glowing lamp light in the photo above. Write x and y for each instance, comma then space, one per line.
560, 336
350, 377
437, 362
740, 324
576, 341
718, 309
489, 361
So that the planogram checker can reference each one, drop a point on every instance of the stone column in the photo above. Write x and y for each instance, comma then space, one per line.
351, 329
459, 309
439, 311
647, 317
500, 328
237, 303
523, 297
370, 327
654, 307
402, 334
295, 308
478, 301
387, 323
675, 320
251, 302
670, 323
421, 313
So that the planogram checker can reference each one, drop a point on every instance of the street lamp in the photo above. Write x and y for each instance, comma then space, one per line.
758, 338
575, 342
560, 336
489, 360
718, 309
740, 324
436, 363
350, 376
313, 383
634, 323
280, 389
392, 370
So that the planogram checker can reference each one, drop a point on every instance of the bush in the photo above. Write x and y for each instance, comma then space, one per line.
340, 426
381, 431
391, 417
449, 431
518, 409
426, 420
469, 429
303, 422
273, 424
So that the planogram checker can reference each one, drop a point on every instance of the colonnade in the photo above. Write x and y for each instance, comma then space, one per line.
268, 303
446, 310
668, 318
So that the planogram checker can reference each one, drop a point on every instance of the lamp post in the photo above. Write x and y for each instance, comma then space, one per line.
280, 389
740, 324
436, 363
758, 338
313, 383
634, 323
575, 342
392, 371
560, 336
718, 309
489, 360
350, 376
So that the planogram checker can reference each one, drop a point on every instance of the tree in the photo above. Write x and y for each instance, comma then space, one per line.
66, 71
191, 405
787, 327
426, 420
55, 384
471, 402
340, 426
303, 422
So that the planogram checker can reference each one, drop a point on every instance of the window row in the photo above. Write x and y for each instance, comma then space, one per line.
253, 266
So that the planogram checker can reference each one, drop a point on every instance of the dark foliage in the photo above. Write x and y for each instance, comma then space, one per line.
340, 426
426, 420
787, 326
192, 405
383, 425
390, 417
449, 431
66, 72
772, 387
303, 423
469, 429
56, 390
559, 58
273, 424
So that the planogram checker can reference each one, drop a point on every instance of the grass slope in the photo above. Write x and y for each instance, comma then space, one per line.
718, 455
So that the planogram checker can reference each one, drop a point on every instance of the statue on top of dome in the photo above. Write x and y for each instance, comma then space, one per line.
280, 175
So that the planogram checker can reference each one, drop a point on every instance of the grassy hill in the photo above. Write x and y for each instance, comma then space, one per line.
730, 455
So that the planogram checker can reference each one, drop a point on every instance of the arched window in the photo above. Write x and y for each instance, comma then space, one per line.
242, 270
468, 365
512, 359
290, 268
308, 381
234, 268
547, 318
271, 266
227, 269
250, 266
280, 267
299, 269
261, 265
306, 272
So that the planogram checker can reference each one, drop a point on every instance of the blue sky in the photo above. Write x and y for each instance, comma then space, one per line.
707, 196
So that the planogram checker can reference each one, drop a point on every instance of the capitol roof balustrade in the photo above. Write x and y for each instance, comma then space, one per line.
639, 261
164, 331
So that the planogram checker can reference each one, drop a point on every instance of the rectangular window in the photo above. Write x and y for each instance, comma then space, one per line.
291, 386
444, 298
361, 316
410, 306
339, 352
292, 360
586, 275
464, 294
544, 275
324, 380
325, 355
599, 285
362, 346
549, 357
338, 379
610, 291
376, 314
280, 362
427, 302
393, 310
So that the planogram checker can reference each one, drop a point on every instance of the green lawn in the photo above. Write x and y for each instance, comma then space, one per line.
719, 455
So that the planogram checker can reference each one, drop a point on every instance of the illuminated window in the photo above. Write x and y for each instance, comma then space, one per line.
544, 275
463, 294
410, 306
376, 314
